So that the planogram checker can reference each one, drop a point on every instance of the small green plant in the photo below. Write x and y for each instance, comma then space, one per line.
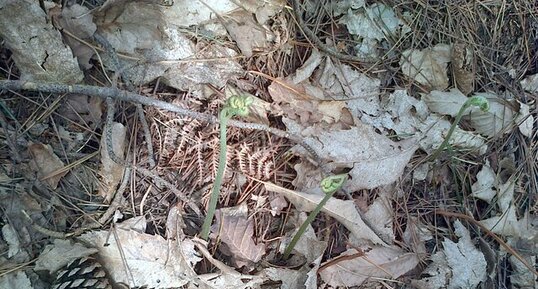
329, 186
478, 101
235, 105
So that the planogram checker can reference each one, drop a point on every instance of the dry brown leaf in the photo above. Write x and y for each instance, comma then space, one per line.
343, 211
37, 47
148, 31
247, 34
110, 171
59, 254
530, 83
152, 261
374, 159
131, 26
308, 246
78, 21
506, 222
486, 182
227, 278
445, 102
377, 262
278, 204
289, 96
236, 231
358, 90
79, 107
427, 66
291, 279
462, 64
47, 163
458, 265
15, 279
498, 118
526, 119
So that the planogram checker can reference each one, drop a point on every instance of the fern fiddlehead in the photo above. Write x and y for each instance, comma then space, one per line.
329, 186
235, 105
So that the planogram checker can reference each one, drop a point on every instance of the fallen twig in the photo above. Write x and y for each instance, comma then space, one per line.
118, 94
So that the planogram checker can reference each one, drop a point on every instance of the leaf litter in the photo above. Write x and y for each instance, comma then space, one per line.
357, 121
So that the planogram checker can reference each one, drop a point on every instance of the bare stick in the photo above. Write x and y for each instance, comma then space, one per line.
123, 95
140, 111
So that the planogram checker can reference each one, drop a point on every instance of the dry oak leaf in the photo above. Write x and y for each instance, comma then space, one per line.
376, 262
36, 46
427, 66
344, 212
152, 261
47, 163
462, 65
374, 158
77, 20
236, 231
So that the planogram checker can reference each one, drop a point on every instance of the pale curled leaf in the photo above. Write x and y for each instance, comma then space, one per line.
458, 265
505, 223
375, 160
381, 170
376, 21
526, 119
435, 129
427, 66
236, 231
401, 113
468, 264
17, 279
80, 107
445, 103
309, 244
484, 187
498, 118
530, 83
521, 276
305, 71
227, 278
146, 31
290, 279
377, 262
360, 91
343, 211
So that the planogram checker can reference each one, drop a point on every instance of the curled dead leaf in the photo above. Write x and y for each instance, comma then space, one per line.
49, 166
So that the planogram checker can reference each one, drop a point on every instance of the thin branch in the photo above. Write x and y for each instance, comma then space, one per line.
123, 95
140, 111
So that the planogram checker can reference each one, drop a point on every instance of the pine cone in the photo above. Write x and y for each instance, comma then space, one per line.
85, 272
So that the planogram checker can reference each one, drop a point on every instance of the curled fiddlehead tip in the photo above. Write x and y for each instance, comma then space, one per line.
238, 105
479, 101
333, 183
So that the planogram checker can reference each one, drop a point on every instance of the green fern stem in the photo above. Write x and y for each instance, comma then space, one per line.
236, 105
218, 178
478, 101
329, 185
